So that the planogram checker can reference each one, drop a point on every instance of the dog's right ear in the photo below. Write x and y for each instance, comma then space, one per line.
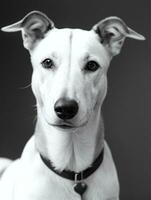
33, 26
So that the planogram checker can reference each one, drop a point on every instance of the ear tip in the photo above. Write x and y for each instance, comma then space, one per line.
4, 29
10, 29
137, 37
13, 27
143, 38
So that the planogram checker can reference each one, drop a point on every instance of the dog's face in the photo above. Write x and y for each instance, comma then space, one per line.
70, 66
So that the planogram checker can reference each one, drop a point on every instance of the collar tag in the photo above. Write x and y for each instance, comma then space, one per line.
80, 186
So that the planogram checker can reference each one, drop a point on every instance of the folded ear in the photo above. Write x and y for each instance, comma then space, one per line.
113, 31
33, 26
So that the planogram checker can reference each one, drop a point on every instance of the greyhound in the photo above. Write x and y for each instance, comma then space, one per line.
67, 158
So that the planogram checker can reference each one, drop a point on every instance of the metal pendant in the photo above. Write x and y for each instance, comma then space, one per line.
80, 188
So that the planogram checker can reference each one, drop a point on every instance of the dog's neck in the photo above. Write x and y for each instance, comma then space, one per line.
72, 151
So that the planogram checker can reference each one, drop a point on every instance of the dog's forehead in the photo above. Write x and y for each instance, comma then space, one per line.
64, 41
68, 33
66, 36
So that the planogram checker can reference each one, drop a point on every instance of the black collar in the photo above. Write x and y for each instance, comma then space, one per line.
76, 176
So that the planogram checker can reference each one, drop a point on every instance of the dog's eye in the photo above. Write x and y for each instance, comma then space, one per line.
91, 66
47, 63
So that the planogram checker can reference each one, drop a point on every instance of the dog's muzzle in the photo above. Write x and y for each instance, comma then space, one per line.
66, 108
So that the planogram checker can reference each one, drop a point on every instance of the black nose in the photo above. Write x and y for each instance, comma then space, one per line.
66, 108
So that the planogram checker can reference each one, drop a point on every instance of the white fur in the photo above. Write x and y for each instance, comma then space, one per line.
74, 149
29, 178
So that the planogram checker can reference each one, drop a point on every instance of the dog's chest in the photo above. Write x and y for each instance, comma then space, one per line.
36, 182
56, 192
56, 188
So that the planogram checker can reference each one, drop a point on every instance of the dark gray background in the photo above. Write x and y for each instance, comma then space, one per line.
126, 110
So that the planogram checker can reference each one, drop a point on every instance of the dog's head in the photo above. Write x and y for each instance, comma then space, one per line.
70, 65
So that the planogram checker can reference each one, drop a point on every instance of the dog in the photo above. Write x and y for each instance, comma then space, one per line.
67, 158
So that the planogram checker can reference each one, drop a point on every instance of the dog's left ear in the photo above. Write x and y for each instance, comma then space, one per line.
33, 26
113, 31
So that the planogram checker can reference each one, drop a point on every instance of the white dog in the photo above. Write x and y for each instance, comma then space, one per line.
67, 158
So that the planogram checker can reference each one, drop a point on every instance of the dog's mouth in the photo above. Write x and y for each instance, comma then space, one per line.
67, 126
64, 126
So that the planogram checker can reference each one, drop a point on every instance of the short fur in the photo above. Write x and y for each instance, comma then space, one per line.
73, 148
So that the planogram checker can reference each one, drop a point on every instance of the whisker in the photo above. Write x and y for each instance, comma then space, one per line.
35, 119
34, 107
25, 87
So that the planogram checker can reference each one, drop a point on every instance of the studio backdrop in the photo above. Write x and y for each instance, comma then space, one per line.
127, 107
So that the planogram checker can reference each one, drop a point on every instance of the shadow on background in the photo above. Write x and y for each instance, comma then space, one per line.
126, 110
